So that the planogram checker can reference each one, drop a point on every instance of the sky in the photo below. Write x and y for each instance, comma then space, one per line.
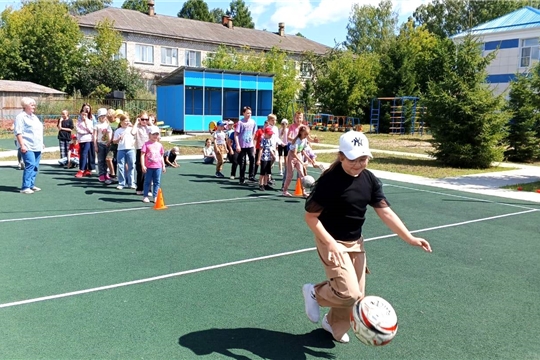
324, 21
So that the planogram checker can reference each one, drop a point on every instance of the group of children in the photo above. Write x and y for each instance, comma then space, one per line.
288, 146
131, 147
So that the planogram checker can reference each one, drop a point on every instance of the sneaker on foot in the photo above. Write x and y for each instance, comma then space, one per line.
87, 173
310, 302
101, 178
261, 188
79, 174
107, 182
119, 187
232, 178
150, 194
326, 326
35, 188
146, 200
27, 191
219, 174
139, 192
252, 179
268, 187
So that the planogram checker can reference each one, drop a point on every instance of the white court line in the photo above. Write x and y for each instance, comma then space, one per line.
212, 267
461, 196
131, 209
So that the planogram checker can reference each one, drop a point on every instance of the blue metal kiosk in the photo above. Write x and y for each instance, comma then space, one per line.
190, 99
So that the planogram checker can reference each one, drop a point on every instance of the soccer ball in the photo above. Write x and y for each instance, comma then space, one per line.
308, 181
374, 321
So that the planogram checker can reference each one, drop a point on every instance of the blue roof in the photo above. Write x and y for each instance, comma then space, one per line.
524, 18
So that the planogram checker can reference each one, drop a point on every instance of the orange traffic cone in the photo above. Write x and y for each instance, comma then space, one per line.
298, 190
160, 204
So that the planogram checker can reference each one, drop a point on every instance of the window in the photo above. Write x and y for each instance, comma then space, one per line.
193, 58
144, 54
193, 100
529, 52
305, 70
121, 52
169, 56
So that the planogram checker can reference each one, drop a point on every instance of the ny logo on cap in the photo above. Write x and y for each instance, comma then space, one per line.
357, 142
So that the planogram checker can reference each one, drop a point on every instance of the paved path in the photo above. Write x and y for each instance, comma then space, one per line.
485, 183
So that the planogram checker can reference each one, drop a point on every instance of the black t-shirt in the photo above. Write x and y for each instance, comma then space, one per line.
342, 201
62, 134
170, 155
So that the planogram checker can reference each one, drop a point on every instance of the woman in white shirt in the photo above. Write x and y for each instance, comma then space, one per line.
126, 153
28, 131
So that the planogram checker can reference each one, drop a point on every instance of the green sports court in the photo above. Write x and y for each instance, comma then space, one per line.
90, 272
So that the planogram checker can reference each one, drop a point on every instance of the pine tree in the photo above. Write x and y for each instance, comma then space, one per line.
466, 119
195, 10
524, 128
138, 5
240, 14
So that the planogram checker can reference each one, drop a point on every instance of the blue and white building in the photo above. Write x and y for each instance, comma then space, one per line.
515, 37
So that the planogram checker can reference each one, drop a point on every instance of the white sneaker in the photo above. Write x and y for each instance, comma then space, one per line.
27, 191
326, 326
232, 178
35, 188
119, 187
146, 200
310, 302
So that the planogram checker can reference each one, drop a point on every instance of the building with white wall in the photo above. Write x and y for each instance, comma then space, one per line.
515, 37
159, 44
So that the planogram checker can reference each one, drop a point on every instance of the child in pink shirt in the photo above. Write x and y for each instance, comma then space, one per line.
152, 163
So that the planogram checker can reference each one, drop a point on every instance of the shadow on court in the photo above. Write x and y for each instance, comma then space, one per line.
4, 188
266, 344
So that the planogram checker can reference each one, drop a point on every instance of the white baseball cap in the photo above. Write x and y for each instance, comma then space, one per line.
153, 130
101, 112
354, 144
285, 121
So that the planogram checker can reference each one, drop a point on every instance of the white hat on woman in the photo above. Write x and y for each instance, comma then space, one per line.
354, 144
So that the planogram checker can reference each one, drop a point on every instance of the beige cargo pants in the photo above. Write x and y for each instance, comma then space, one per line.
345, 285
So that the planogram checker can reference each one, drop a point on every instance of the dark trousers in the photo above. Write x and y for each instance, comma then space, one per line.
234, 162
256, 168
87, 156
138, 170
103, 149
242, 159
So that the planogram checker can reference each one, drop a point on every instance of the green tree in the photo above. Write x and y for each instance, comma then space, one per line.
370, 28
138, 5
107, 40
195, 10
39, 43
241, 15
467, 120
217, 15
102, 69
405, 65
524, 129
83, 7
346, 82
449, 17
275, 61
306, 97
